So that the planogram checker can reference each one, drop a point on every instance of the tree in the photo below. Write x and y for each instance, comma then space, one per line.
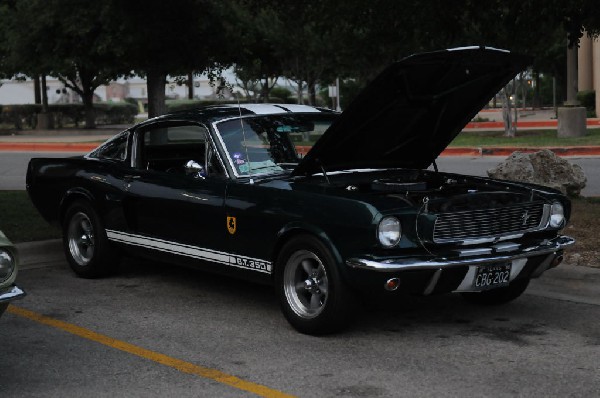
68, 39
259, 33
158, 38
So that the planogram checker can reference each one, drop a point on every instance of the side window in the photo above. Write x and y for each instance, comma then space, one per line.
170, 149
115, 148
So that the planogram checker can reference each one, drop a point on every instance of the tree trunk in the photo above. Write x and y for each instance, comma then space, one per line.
44, 95
312, 92
37, 91
44, 119
88, 108
156, 93
300, 93
509, 130
264, 91
190, 82
536, 90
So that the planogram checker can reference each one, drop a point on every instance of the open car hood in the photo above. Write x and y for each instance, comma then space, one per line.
409, 114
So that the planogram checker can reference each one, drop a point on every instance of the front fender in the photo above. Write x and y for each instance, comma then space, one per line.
298, 228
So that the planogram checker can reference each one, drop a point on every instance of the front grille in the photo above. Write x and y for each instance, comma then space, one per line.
488, 223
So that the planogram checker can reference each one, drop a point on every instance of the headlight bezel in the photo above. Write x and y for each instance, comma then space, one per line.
8, 264
389, 232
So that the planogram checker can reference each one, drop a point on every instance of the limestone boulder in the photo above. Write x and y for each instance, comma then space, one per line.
543, 168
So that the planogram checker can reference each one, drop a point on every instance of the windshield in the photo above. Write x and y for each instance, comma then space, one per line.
266, 144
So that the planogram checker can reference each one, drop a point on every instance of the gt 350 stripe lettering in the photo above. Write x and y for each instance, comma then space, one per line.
200, 253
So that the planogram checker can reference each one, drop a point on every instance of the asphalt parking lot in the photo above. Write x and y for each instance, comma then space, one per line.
154, 330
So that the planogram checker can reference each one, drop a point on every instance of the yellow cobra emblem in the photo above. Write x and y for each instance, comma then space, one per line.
231, 225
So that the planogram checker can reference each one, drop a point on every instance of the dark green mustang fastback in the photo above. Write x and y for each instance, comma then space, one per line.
223, 187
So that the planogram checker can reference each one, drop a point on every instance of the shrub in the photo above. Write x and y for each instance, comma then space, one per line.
20, 115
281, 95
587, 99
25, 116
183, 104
115, 113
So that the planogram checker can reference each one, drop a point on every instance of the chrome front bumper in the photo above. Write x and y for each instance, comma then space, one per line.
11, 293
499, 253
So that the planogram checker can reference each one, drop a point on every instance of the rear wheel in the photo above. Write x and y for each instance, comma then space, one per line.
498, 296
314, 299
85, 244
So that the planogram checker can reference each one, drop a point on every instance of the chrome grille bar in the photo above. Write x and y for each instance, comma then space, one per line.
485, 223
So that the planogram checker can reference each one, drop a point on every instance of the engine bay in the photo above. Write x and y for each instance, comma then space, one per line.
442, 192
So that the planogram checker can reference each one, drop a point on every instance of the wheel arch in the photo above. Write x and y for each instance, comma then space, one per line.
292, 230
71, 196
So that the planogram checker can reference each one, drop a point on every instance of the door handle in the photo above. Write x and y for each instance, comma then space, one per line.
127, 179
131, 177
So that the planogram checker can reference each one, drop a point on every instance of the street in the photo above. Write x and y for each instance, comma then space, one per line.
198, 335
13, 166
479, 165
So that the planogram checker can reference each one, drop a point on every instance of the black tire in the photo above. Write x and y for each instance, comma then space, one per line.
85, 244
498, 296
313, 297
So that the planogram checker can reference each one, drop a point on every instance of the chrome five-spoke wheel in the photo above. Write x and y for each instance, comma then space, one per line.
80, 236
314, 298
305, 283
86, 246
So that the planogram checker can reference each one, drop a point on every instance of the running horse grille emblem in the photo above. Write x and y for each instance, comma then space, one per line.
525, 217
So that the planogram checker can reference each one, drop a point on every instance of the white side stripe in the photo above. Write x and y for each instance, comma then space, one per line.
190, 251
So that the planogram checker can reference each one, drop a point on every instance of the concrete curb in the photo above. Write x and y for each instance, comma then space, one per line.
40, 254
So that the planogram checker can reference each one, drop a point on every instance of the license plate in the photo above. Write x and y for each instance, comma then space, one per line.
490, 277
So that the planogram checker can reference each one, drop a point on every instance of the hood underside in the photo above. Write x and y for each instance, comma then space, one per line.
410, 113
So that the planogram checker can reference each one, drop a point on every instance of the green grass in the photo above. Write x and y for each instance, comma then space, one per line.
530, 138
20, 221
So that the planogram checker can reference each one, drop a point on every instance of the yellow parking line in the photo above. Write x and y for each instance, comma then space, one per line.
166, 360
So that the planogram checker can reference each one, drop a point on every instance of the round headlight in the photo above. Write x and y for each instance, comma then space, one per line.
389, 231
557, 215
7, 265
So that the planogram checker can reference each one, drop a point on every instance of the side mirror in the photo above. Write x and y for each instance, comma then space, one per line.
195, 169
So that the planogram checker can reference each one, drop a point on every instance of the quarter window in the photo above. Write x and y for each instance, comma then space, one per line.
115, 148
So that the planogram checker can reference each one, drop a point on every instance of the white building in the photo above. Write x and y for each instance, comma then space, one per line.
18, 92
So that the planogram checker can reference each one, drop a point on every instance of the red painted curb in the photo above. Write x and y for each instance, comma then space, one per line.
303, 149
47, 146
461, 151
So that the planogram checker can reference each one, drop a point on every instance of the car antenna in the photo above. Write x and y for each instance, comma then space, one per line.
318, 161
435, 168
244, 135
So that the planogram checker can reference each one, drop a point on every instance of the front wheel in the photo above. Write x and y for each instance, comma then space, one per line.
85, 244
313, 297
498, 296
